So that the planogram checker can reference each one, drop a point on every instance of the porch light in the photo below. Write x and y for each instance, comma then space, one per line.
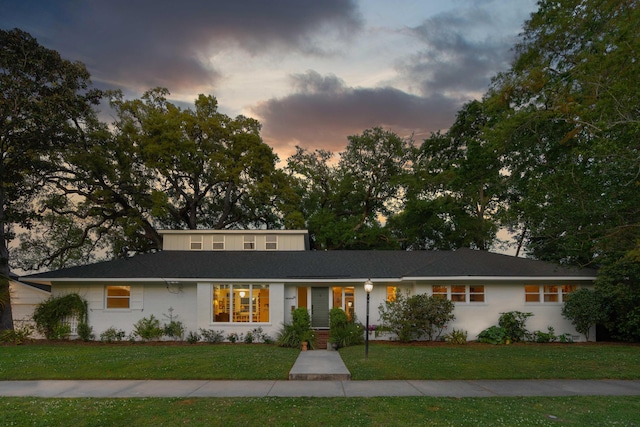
368, 287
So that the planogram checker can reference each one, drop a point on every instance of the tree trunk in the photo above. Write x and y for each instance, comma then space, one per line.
6, 318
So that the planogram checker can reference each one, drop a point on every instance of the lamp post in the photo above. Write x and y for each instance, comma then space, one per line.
368, 287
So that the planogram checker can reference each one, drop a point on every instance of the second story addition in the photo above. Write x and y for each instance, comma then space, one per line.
235, 240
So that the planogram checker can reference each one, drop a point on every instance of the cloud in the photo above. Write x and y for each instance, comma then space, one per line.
325, 111
461, 54
146, 43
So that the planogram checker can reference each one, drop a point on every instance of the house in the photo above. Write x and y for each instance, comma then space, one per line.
25, 296
236, 281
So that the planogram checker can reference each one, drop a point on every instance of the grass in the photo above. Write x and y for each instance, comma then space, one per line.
267, 362
145, 361
380, 411
484, 361
255, 361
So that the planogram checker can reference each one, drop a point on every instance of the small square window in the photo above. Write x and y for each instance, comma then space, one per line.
249, 242
118, 296
476, 293
196, 243
439, 291
551, 293
271, 242
532, 293
218, 242
458, 294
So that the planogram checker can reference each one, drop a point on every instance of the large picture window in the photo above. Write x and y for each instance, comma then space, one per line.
459, 293
118, 296
241, 303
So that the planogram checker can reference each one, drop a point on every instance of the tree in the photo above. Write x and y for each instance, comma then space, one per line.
455, 192
344, 203
584, 308
162, 167
568, 111
44, 104
618, 283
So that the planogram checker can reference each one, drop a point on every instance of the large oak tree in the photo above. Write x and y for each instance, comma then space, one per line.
44, 101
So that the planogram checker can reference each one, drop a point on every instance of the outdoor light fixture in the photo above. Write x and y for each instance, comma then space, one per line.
242, 294
368, 287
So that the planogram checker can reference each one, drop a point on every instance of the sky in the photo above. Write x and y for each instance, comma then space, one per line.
312, 72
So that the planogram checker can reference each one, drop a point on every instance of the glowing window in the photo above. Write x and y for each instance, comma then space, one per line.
118, 296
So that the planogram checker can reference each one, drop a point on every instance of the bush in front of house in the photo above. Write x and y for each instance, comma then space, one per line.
415, 317
583, 308
148, 329
511, 328
299, 330
112, 335
50, 316
342, 331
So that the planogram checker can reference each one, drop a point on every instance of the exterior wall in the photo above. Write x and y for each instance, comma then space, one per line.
24, 300
287, 240
470, 317
191, 303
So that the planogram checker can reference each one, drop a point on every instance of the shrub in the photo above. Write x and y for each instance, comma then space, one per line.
85, 332
17, 336
174, 329
211, 336
513, 324
583, 308
456, 337
148, 329
493, 335
416, 316
193, 337
112, 334
542, 337
50, 315
343, 332
299, 330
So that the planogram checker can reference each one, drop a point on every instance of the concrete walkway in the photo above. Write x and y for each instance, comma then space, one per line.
330, 378
317, 365
197, 388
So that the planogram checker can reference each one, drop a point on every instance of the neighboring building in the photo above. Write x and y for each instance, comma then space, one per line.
236, 281
24, 299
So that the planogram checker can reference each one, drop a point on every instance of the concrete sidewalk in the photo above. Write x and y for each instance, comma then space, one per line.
171, 388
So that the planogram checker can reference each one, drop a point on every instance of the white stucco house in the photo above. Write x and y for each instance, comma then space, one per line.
236, 281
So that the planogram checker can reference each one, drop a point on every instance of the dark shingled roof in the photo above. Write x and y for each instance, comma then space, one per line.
291, 265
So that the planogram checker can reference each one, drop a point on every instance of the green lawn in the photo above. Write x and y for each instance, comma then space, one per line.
484, 361
260, 361
146, 361
255, 361
379, 411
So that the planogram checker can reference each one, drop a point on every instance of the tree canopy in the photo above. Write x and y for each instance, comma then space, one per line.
44, 103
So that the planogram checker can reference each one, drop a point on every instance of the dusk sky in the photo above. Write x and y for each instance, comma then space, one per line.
312, 72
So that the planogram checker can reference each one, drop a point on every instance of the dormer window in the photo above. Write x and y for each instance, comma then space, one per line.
271, 242
196, 243
218, 242
249, 242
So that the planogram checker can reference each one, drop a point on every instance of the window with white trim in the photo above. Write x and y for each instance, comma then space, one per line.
459, 293
249, 242
218, 242
118, 297
196, 243
547, 293
240, 303
271, 243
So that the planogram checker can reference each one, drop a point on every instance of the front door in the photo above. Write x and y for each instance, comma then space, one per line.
319, 307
